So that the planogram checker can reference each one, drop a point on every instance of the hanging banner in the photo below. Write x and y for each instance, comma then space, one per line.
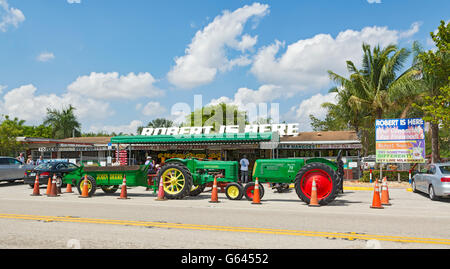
400, 141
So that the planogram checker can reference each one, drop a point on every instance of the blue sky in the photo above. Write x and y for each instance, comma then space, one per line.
124, 63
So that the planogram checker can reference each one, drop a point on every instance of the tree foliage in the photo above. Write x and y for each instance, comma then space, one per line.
384, 88
217, 115
63, 122
156, 123
10, 129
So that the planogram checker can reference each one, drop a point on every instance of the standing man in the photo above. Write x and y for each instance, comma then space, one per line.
244, 169
40, 160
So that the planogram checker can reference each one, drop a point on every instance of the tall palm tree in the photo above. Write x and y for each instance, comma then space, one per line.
64, 123
375, 89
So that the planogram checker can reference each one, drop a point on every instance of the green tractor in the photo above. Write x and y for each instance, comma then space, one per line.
327, 174
183, 177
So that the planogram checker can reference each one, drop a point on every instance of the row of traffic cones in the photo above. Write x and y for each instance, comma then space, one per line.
52, 189
377, 201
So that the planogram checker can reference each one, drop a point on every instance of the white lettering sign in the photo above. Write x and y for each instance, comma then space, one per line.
281, 129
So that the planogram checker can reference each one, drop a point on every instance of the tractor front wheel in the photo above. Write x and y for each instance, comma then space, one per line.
197, 189
326, 183
110, 189
249, 191
234, 191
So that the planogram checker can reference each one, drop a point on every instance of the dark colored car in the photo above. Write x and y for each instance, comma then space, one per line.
47, 170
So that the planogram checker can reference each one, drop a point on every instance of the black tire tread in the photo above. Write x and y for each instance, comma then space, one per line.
324, 167
188, 180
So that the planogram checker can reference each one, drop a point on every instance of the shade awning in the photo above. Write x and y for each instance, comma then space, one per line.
194, 138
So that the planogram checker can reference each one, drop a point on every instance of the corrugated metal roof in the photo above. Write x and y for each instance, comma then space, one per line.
195, 138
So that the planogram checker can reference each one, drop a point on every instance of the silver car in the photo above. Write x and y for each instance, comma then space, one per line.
434, 180
12, 169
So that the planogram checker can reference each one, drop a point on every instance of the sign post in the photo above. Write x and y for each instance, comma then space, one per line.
400, 141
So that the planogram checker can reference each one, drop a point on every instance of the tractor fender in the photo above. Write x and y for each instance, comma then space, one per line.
176, 160
324, 161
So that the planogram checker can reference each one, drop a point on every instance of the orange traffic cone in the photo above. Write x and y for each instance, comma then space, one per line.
36, 191
85, 189
123, 193
256, 194
49, 186
54, 189
384, 193
161, 191
69, 188
376, 202
214, 193
313, 201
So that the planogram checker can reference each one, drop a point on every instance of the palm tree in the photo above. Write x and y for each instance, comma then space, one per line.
376, 88
64, 123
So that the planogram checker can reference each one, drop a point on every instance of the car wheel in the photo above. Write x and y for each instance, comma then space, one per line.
431, 193
413, 186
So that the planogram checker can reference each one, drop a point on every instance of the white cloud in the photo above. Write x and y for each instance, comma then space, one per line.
304, 64
256, 103
9, 16
311, 106
412, 31
113, 86
24, 103
74, 1
374, 1
45, 57
153, 109
206, 55
244, 96
130, 128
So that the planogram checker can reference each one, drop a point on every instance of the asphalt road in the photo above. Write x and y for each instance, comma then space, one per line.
282, 221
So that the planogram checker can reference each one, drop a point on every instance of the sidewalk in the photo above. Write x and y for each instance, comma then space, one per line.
356, 185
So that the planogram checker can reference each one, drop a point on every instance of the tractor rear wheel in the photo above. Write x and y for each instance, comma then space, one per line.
326, 182
176, 179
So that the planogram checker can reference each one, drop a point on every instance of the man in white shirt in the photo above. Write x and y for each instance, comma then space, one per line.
244, 169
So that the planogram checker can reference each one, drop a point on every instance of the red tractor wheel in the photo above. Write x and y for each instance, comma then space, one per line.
249, 190
326, 182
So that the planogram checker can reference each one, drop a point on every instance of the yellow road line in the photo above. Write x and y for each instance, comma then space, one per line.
349, 236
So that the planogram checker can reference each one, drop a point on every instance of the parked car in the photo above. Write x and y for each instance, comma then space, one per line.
434, 180
48, 169
12, 169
